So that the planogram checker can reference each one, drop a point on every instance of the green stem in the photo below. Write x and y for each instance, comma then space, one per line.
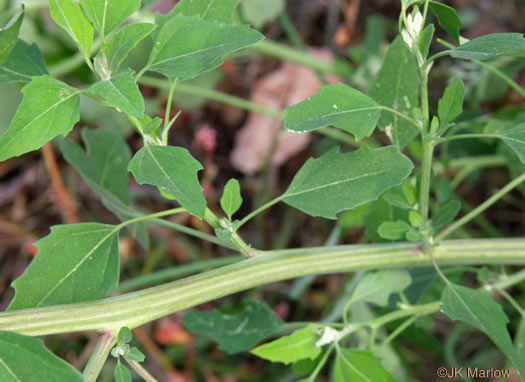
482, 207
400, 329
507, 281
424, 197
467, 136
404, 116
98, 358
141, 371
137, 308
257, 211
167, 115
321, 363
71, 63
481, 161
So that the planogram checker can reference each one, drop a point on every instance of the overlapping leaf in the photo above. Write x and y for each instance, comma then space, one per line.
515, 139
377, 287
174, 171
448, 18
490, 46
211, 10
76, 262
49, 108
25, 61
337, 181
107, 15
450, 105
9, 35
336, 105
359, 366
26, 359
187, 46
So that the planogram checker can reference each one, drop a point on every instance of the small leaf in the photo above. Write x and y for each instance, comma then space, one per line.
393, 230
231, 198
174, 170
75, 262
121, 373
122, 43
478, 309
187, 46
450, 105
107, 15
9, 35
376, 287
337, 105
124, 335
415, 218
259, 12
214, 10
49, 108
448, 18
445, 214
135, 354
491, 45
27, 359
71, 18
425, 39
396, 87
359, 366
397, 197
121, 92
414, 236
25, 61
515, 139
337, 181
297, 346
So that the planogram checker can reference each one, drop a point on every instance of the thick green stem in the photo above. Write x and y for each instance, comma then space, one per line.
424, 197
137, 308
99, 356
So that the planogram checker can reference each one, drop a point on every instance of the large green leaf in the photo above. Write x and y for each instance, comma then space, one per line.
25, 61
27, 359
337, 181
122, 43
515, 139
376, 287
337, 105
450, 105
231, 199
121, 92
211, 10
235, 332
448, 18
9, 35
259, 12
301, 344
107, 15
70, 17
187, 46
478, 309
174, 171
359, 366
491, 45
396, 87
104, 167
75, 262
49, 108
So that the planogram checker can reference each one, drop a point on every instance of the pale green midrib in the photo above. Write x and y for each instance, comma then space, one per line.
346, 361
137, 308
9, 370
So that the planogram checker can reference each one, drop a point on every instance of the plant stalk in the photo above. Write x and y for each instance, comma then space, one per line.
105, 343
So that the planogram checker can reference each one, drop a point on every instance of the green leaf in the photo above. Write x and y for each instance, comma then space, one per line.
259, 12
448, 19
231, 198
121, 372
396, 197
210, 10
445, 214
515, 139
337, 105
75, 262
478, 309
450, 105
425, 39
107, 15
122, 43
174, 170
49, 108
124, 335
25, 61
396, 87
491, 45
187, 46
337, 181
9, 35
393, 230
121, 92
135, 354
235, 332
359, 366
376, 287
298, 345
70, 17
27, 359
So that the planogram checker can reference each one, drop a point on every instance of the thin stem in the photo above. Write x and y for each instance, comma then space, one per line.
167, 115
257, 211
404, 116
321, 363
434, 57
137, 308
480, 161
141, 73
467, 136
424, 197
160, 214
482, 207
141, 371
400, 329
508, 281
98, 358
73, 62
512, 301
